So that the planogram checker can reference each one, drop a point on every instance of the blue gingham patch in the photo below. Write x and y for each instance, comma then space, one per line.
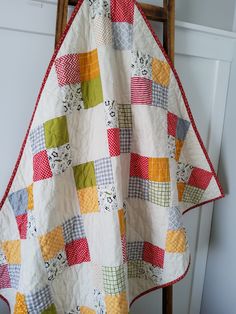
135, 250
39, 300
139, 188
37, 139
73, 229
159, 96
103, 171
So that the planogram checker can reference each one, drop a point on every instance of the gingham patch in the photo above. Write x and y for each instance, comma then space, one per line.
103, 171
159, 96
14, 273
125, 116
135, 269
113, 279
138, 188
73, 229
125, 140
37, 139
175, 219
39, 301
135, 250
159, 193
192, 194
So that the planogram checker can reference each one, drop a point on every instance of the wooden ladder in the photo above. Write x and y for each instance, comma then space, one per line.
165, 15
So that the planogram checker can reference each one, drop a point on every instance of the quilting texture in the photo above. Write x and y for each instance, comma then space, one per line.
92, 217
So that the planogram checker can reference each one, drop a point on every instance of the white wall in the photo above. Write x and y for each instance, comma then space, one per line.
212, 13
219, 287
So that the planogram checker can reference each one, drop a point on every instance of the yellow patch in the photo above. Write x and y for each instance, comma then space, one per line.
116, 304
88, 199
51, 243
86, 310
88, 65
12, 251
121, 221
30, 197
20, 305
158, 169
180, 188
178, 144
160, 72
176, 241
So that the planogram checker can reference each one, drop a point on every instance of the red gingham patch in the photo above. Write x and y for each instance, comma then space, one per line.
172, 124
200, 178
22, 225
153, 254
67, 68
5, 281
77, 252
114, 141
124, 248
139, 166
41, 166
122, 11
141, 91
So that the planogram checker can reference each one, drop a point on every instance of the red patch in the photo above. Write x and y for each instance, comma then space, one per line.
5, 281
172, 124
153, 254
200, 178
141, 91
77, 252
41, 166
122, 11
114, 141
22, 225
139, 166
124, 249
67, 69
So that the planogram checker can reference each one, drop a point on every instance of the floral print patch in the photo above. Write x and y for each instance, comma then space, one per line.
31, 226
183, 172
72, 98
107, 198
100, 8
111, 114
152, 272
141, 64
59, 158
99, 302
171, 146
56, 265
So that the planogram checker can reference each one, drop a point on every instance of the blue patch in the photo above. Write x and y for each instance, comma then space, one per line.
19, 202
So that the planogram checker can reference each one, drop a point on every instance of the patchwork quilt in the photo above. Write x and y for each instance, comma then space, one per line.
92, 216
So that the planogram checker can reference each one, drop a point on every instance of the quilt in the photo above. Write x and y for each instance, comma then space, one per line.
92, 217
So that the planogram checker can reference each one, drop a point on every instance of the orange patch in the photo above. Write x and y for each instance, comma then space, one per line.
30, 197
88, 199
180, 188
51, 243
86, 310
116, 304
160, 72
20, 305
176, 241
178, 144
121, 221
12, 251
89, 66
158, 169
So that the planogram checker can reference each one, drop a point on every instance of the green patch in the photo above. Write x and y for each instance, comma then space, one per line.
84, 175
50, 310
192, 194
92, 92
56, 132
